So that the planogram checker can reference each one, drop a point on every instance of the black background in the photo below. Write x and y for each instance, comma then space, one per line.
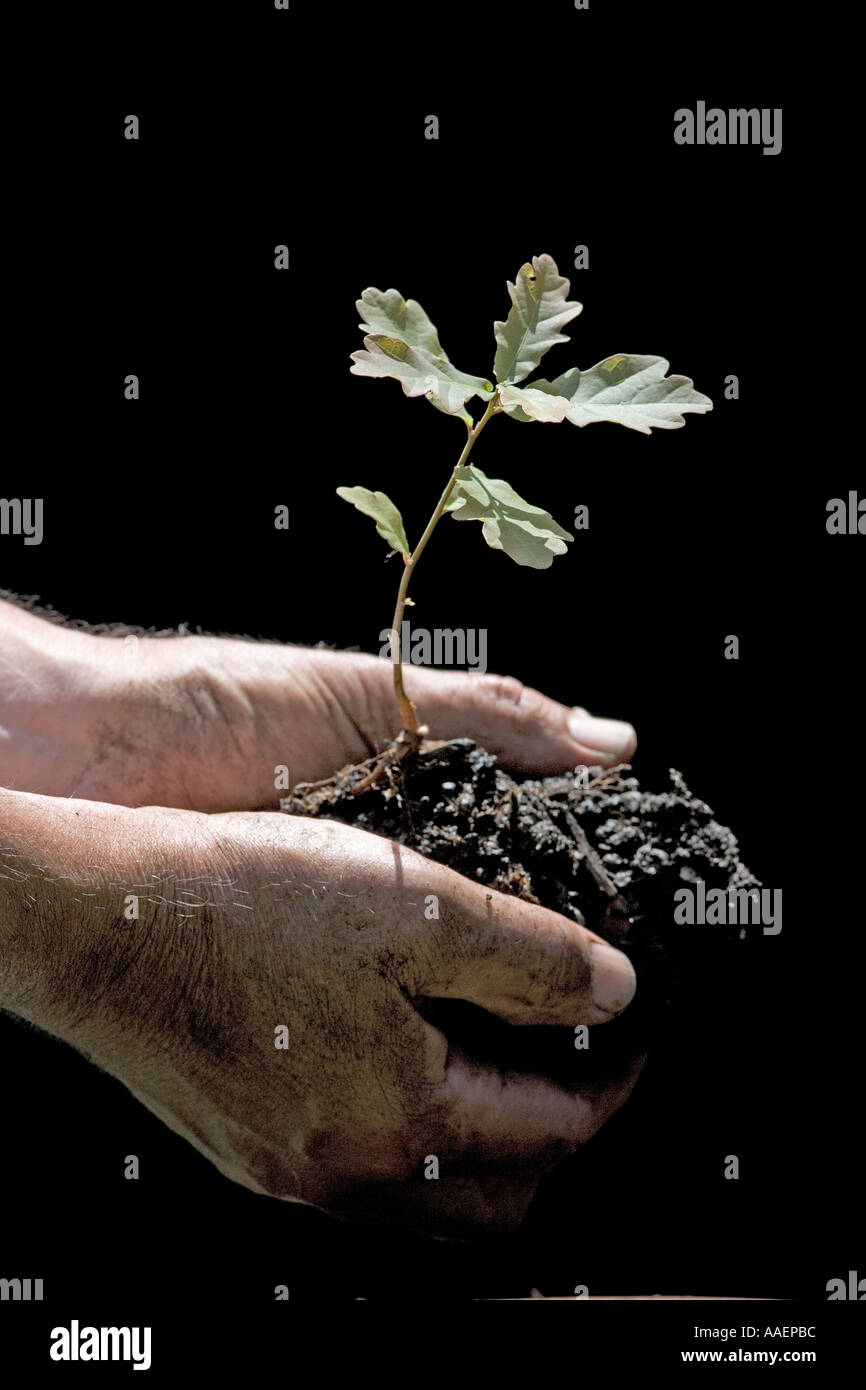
156, 257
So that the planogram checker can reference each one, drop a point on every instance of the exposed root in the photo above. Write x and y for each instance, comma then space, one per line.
407, 741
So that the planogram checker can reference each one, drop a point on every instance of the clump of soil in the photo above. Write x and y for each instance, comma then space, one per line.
590, 844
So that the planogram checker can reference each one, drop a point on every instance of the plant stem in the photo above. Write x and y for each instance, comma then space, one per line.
408, 713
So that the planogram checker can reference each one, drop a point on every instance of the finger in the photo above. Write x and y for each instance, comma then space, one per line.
486, 1176
504, 1116
527, 730
521, 962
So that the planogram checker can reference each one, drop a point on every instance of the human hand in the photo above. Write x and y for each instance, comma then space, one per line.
252, 922
203, 723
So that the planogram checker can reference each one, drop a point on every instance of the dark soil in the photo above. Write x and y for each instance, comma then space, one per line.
591, 845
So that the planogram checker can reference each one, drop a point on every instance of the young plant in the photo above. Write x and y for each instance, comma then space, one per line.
401, 342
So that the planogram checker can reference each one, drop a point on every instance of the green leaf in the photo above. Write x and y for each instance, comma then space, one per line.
389, 313
457, 414
528, 534
539, 309
419, 372
626, 390
539, 405
389, 522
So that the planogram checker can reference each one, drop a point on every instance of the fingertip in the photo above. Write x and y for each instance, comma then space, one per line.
607, 741
614, 981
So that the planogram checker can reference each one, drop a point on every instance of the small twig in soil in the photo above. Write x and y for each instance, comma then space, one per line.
593, 862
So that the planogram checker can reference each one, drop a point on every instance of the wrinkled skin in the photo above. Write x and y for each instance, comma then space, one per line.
249, 921
201, 723
322, 928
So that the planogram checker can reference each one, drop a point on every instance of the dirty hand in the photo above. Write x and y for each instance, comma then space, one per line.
265, 1002
207, 723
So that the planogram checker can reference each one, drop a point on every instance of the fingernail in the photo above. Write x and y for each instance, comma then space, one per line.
610, 737
613, 979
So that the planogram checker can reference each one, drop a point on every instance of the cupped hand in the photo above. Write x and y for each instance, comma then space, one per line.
216, 724
267, 1003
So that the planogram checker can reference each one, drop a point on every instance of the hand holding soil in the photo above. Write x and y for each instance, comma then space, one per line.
249, 922
401, 1048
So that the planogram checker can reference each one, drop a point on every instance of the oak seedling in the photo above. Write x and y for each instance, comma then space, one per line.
401, 342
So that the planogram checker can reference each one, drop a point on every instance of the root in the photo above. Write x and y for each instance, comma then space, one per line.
406, 742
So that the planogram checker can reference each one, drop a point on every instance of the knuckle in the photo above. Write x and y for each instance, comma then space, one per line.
502, 690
